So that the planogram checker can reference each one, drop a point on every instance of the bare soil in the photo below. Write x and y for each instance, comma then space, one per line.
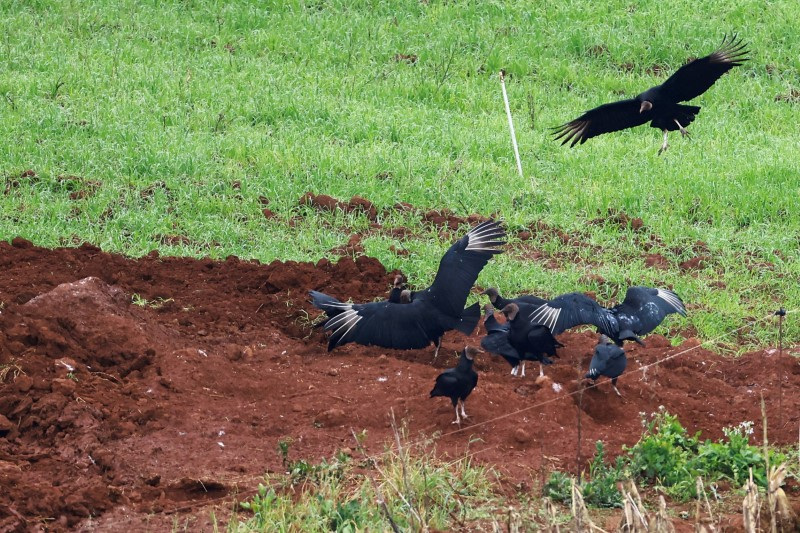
115, 415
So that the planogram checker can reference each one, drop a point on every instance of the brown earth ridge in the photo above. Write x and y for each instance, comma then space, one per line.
119, 415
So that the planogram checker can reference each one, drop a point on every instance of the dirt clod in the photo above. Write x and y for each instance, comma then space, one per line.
522, 436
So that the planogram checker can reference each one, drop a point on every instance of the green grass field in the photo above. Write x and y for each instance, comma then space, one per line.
156, 110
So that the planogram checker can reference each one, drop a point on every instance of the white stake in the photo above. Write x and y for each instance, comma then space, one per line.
511, 123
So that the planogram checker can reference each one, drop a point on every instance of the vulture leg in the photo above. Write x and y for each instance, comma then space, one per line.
463, 412
438, 345
664, 145
514, 370
523, 369
684, 131
614, 385
541, 370
457, 420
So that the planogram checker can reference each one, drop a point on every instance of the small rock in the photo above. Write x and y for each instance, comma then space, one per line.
65, 386
41, 384
331, 417
23, 383
297, 408
522, 436
19, 242
333, 372
127, 427
691, 342
5, 426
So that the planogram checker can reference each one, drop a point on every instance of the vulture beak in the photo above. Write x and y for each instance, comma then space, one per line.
646, 106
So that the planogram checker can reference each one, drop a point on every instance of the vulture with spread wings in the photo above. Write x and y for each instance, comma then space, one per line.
430, 312
642, 310
659, 105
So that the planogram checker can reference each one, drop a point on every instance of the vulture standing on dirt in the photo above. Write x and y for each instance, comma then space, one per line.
430, 312
457, 383
608, 360
643, 309
518, 340
658, 105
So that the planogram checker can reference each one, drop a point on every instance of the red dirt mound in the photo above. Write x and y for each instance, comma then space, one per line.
112, 411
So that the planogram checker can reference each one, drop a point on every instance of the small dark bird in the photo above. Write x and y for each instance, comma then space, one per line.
643, 309
518, 340
608, 360
457, 383
658, 105
430, 312
398, 285
499, 302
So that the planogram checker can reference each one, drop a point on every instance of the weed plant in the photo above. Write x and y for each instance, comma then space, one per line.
669, 458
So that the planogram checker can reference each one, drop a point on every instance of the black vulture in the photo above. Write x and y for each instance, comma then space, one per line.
518, 340
430, 312
643, 309
608, 360
398, 285
658, 105
457, 383
499, 302
496, 339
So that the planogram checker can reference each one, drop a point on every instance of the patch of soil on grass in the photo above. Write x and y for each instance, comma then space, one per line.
137, 392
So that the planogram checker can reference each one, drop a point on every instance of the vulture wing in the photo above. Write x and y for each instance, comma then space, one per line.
696, 77
650, 306
460, 266
570, 310
604, 119
447, 384
401, 326
608, 360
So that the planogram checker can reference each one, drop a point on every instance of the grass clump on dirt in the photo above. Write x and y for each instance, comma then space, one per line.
137, 126
669, 459
407, 486
413, 491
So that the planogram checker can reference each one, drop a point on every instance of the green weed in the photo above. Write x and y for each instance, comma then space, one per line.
340, 494
668, 458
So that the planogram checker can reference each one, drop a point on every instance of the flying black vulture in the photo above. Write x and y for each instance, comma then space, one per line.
457, 383
499, 302
658, 105
643, 309
518, 340
608, 360
430, 312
